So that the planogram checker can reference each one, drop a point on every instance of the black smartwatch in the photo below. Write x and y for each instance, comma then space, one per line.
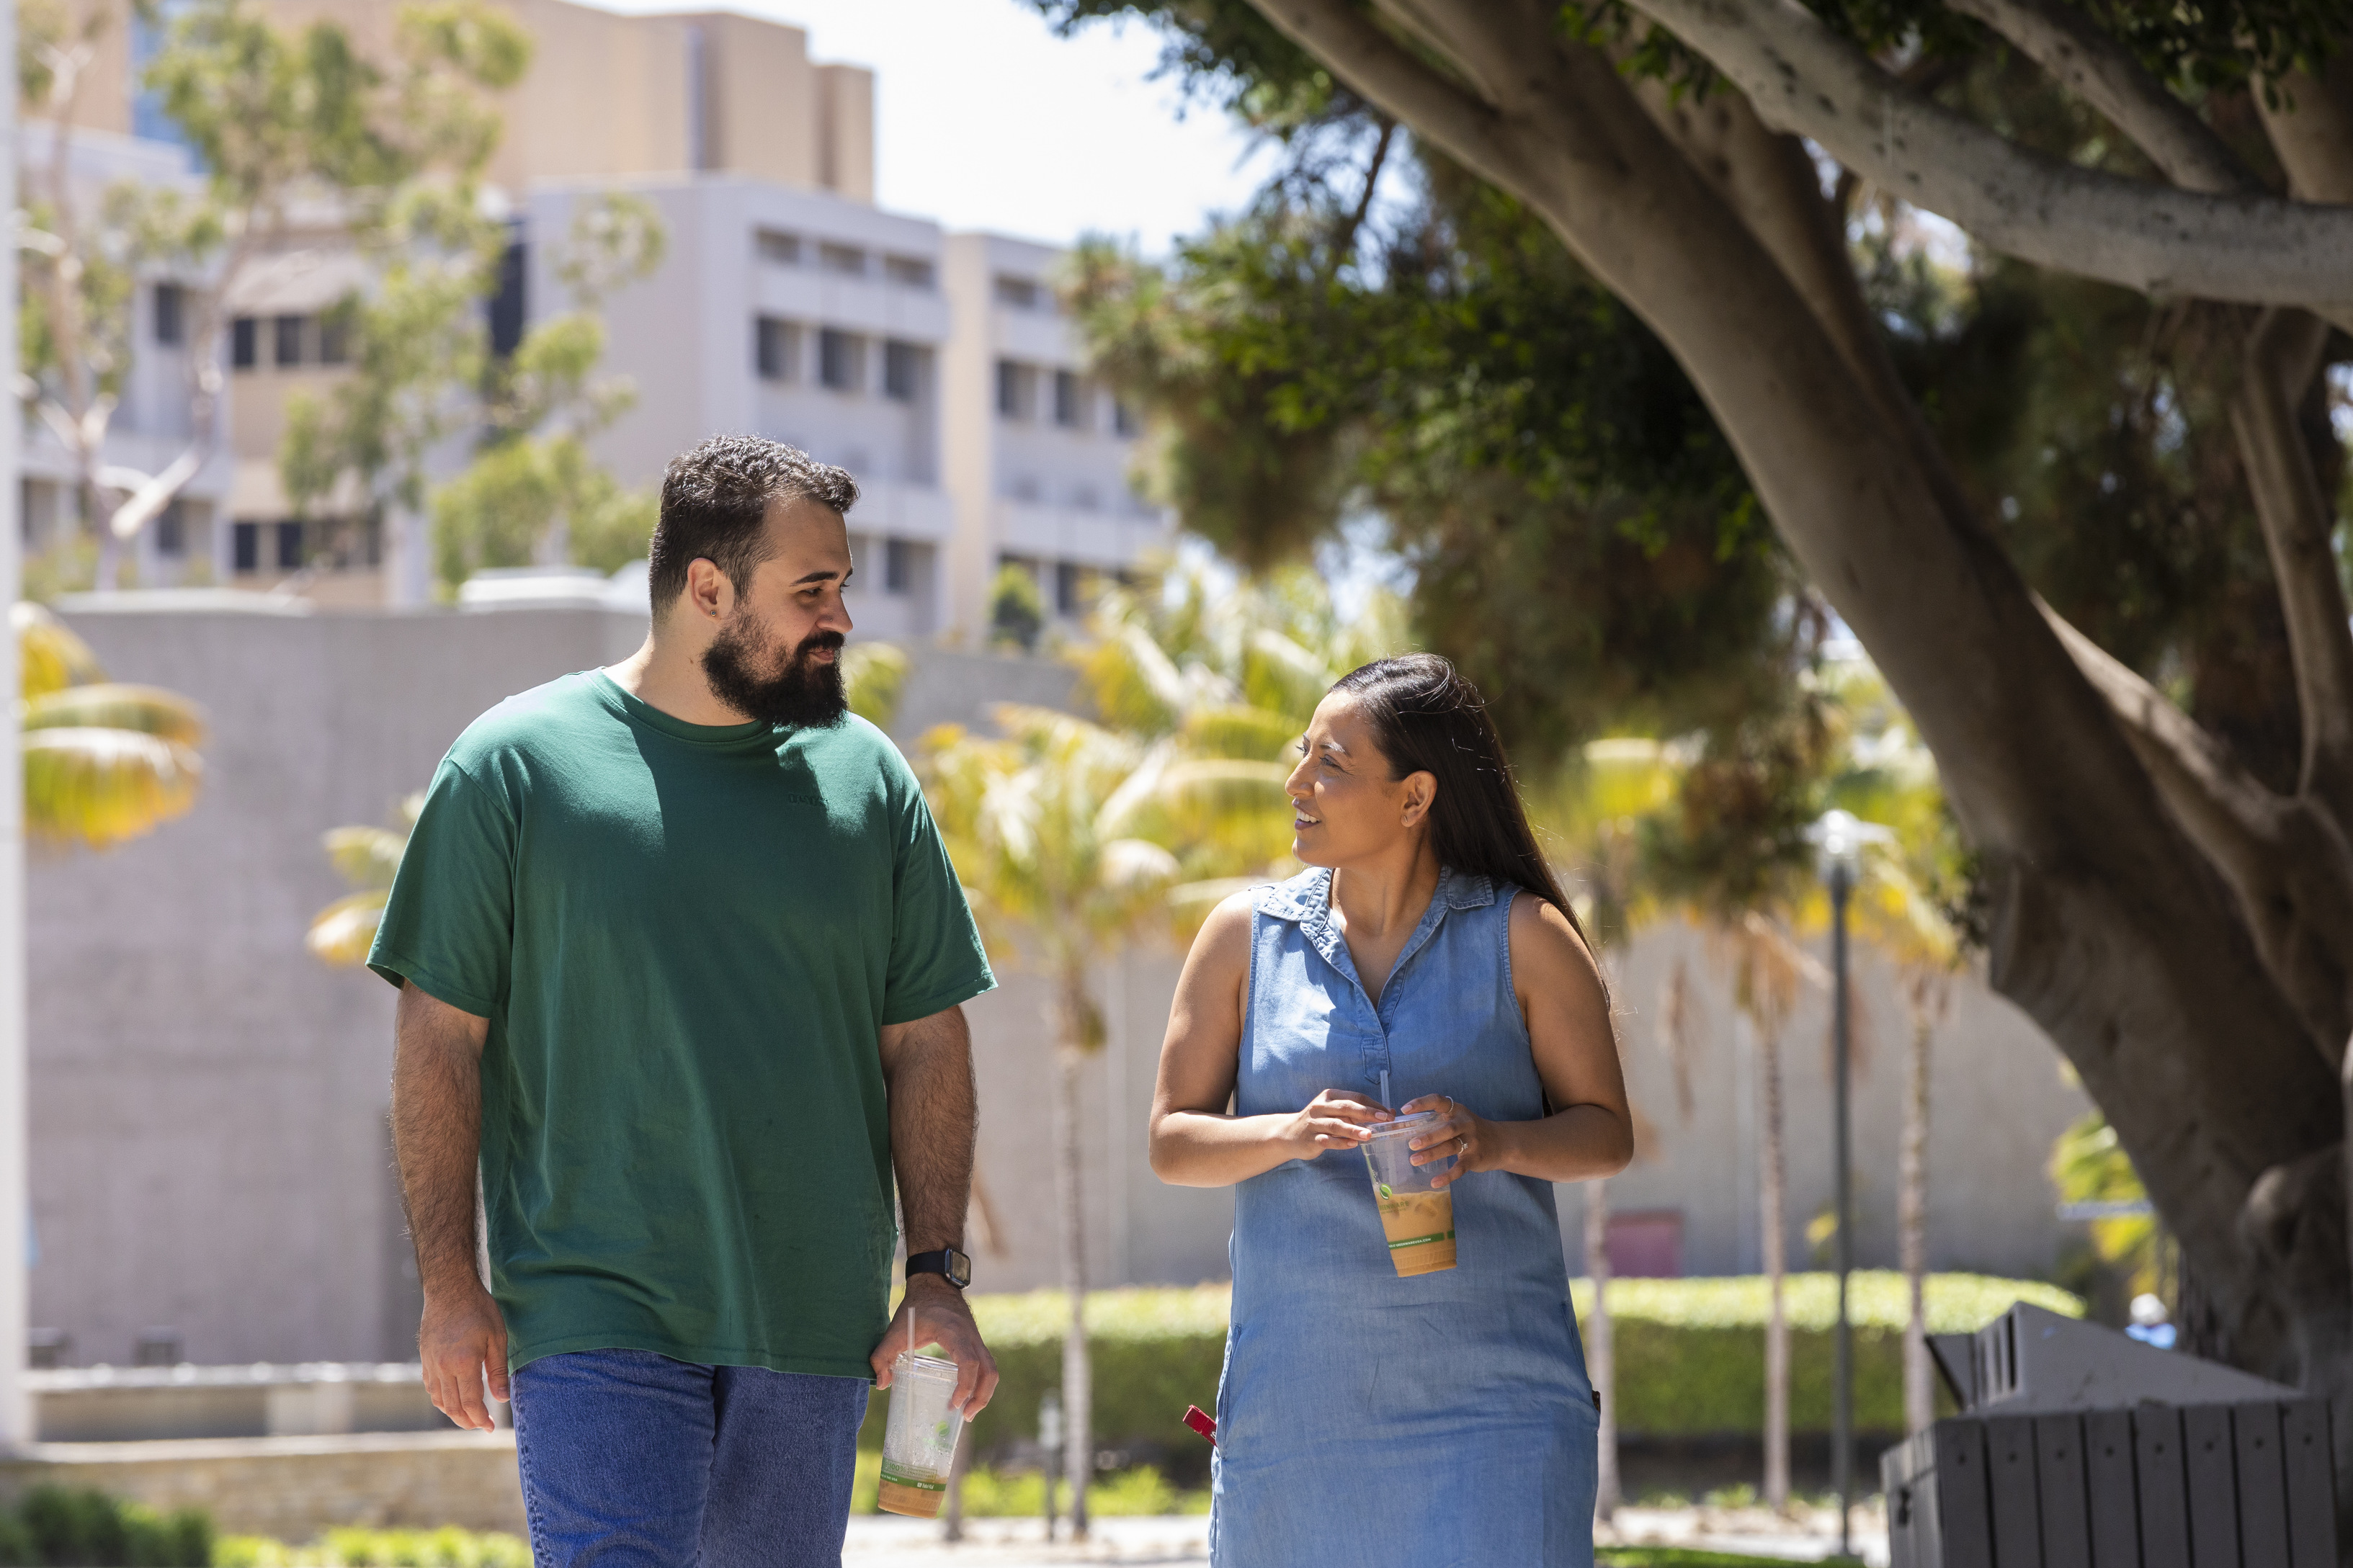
949, 1264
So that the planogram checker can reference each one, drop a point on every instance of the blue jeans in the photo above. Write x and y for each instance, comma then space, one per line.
630, 1459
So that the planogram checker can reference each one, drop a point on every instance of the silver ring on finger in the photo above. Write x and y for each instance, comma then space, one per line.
1461, 1144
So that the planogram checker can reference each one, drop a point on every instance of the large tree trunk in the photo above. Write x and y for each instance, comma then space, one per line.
1078, 1429
2109, 925
1772, 1173
1600, 1355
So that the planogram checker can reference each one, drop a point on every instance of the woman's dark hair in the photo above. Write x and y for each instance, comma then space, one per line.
1427, 718
714, 500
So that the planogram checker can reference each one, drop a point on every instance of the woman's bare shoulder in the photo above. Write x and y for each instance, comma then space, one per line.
1224, 940
1545, 945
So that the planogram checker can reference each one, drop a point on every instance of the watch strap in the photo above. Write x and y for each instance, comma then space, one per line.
948, 1262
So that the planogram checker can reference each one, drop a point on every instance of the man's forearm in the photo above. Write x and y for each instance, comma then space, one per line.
934, 1108
436, 1130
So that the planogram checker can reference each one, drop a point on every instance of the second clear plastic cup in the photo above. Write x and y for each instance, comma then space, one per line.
919, 1438
1418, 1222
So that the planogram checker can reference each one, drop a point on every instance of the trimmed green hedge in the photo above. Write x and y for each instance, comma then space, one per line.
1691, 1352
56, 1527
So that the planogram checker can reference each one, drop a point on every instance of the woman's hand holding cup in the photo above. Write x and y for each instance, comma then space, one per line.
1335, 1119
1458, 1135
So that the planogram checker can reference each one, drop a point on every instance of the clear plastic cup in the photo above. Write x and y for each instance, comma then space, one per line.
1418, 1222
919, 1438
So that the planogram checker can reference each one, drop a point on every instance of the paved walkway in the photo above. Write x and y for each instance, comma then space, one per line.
885, 1541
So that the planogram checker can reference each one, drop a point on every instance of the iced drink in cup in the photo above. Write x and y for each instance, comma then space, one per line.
919, 1441
1419, 1222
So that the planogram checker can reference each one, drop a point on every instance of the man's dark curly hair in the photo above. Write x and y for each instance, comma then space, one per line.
715, 499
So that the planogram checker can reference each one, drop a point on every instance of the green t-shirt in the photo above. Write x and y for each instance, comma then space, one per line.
686, 940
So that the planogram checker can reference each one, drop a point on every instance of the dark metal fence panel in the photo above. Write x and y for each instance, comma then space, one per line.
2208, 1458
1962, 1523
2009, 1476
2164, 1487
2059, 1479
2262, 1484
2309, 1467
2115, 1512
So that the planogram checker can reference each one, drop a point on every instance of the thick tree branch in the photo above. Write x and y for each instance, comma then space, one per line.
2095, 68
2282, 353
1409, 91
1803, 78
2311, 129
1769, 179
2289, 865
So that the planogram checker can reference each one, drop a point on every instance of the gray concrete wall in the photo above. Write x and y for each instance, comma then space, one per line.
208, 1146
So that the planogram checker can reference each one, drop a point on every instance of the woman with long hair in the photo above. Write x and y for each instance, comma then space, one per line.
1389, 1417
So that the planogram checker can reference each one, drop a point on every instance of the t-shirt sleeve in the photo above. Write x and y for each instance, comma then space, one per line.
448, 925
936, 956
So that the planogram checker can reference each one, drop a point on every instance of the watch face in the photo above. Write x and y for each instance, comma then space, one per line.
959, 1269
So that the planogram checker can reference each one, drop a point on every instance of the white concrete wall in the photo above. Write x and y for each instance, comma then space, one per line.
208, 1142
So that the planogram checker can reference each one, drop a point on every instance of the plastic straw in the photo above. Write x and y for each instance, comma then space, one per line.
1385, 1086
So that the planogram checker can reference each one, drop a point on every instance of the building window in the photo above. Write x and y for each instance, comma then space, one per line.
510, 304
840, 360
846, 260
897, 567
1066, 400
286, 340
773, 342
902, 371
244, 343
1070, 587
168, 301
1016, 389
334, 337
172, 530
245, 547
1020, 293
775, 245
289, 545
1123, 417
908, 271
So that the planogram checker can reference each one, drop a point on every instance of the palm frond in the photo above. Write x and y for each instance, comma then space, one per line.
1230, 731
51, 657
342, 933
366, 858
99, 787
149, 710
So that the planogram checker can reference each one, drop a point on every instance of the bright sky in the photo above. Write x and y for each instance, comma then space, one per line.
986, 119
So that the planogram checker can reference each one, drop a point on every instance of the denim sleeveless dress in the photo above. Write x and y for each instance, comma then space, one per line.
1440, 1420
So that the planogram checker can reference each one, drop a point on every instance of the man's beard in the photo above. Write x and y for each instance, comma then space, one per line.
806, 693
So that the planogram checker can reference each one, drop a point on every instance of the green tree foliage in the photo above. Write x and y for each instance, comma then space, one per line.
534, 486
418, 131
1016, 610
1583, 543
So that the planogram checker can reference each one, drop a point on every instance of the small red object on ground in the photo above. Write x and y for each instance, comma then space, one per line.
1202, 1422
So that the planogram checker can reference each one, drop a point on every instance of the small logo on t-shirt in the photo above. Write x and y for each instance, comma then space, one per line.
805, 799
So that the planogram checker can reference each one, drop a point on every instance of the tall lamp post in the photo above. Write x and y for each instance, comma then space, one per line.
1838, 839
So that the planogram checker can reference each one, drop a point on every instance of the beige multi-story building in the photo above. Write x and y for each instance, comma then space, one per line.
937, 369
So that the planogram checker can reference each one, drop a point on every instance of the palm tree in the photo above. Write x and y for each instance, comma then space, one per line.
1890, 778
103, 761
1074, 840
368, 858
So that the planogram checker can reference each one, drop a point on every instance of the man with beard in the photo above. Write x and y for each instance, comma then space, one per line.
680, 958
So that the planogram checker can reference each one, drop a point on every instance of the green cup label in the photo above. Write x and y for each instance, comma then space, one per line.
1410, 1241
898, 1476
